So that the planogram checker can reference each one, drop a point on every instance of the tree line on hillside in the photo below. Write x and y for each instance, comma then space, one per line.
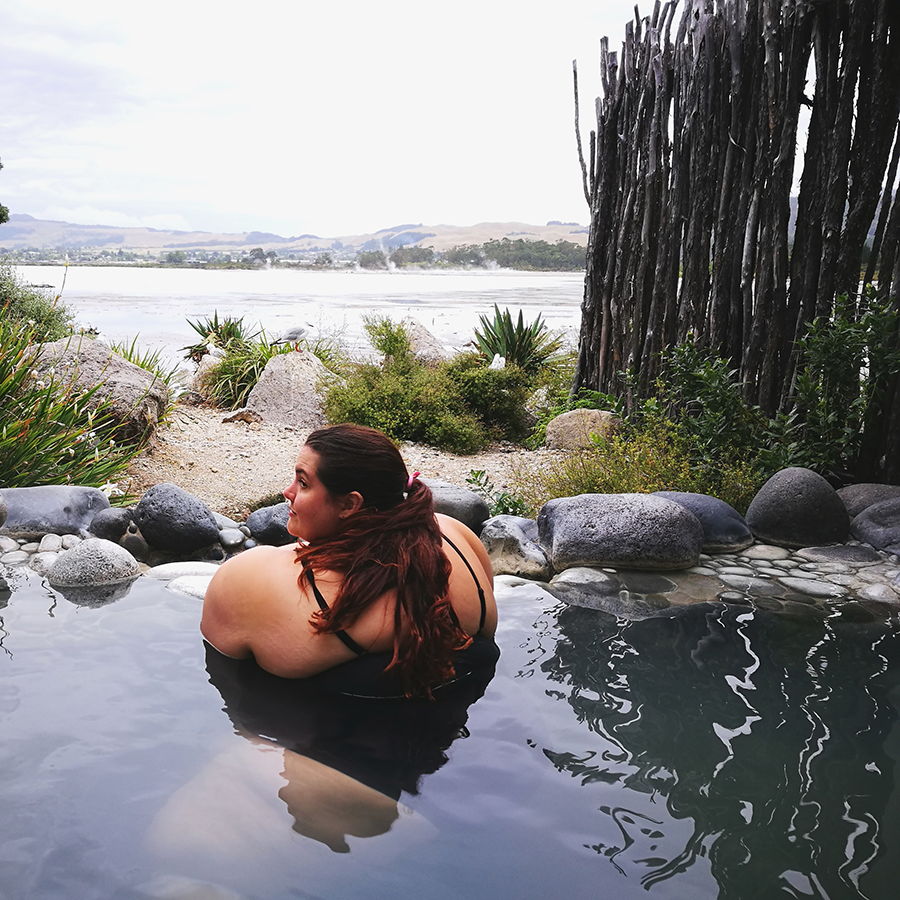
542, 256
688, 177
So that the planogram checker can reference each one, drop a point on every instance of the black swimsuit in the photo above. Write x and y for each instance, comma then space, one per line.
369, 676
348, 641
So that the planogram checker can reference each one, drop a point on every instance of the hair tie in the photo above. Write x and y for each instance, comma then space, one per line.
412, 478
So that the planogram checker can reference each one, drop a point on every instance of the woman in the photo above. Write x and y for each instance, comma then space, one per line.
376, 574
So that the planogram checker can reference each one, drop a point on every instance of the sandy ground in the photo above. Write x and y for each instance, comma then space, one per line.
233, 466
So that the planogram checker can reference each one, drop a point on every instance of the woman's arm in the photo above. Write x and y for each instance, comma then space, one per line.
224, 619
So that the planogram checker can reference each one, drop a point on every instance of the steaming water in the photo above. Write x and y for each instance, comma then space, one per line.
122, 302
724, 753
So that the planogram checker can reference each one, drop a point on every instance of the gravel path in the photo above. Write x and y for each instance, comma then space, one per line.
232, 466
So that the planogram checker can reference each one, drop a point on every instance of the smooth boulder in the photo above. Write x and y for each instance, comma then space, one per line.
172, 519
423, 344
269, 525
797, 508
573, 430
111, 524
637, 531
463, 505
33, 512
724, 528
3, 511
857, 497
879, 525
93, 562
138, 399
287, 391
511, 544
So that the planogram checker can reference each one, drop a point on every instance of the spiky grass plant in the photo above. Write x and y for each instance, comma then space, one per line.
529, 347
152, 361
51, 432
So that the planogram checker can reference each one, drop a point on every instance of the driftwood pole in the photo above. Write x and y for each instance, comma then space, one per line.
689, 179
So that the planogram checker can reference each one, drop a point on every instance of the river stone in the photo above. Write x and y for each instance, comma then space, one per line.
463, 505
95, 595
766, 552
3, 510
287, 392
51, 509
594, 589
814, 588
231, 538
137, 398
637, 531
170, 571
756, 587
572, 430
845, 553
268, 525
857, 497
8, 544
511, 544
192, 585
881, 592
93, 562
42, 561
172, 519
111, 524
797, 507
51, 543
15, 558
724, 528
879, 525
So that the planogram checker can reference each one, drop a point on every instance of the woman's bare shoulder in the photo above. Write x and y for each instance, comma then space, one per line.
464, 537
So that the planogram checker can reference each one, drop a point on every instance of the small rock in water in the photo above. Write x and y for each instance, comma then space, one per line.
814, 588
51, 543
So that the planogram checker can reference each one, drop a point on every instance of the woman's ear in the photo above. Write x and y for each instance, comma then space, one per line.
351, 503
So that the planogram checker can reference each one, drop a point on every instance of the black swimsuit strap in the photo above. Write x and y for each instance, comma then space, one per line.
341, 635
477, 584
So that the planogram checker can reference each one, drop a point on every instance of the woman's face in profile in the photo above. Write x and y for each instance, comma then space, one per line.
314, 512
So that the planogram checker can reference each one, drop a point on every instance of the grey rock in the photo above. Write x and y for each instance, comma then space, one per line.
766, 552
8, 544
824, 568
172, 519
424, 345
136, 546
736, 570
287, 392
724, 528
15, 558
169, 571
50, 543
627, 530
879, 525
756, 587
111, 524
857, 497
511, 544
242, 415
93, 562
95, 595
572, 430
845, 553
41, 562
138, 399
31, 547
223, 522
847, 581
3, 511
70, 540
51, 509
797, 507
231, 538
464, 505
813, 587
880, 592
192, 585
644, 582
595, 589
269, 525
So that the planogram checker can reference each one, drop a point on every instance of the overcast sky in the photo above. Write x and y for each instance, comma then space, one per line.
333, 117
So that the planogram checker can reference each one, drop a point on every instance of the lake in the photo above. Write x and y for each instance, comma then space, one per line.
122, 302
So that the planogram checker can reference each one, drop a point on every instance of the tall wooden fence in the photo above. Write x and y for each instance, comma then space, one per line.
689, 176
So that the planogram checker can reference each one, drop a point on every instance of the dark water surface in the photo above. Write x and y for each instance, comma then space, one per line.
720, 753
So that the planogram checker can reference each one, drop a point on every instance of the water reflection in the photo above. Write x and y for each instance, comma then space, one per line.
346, 760
775, 736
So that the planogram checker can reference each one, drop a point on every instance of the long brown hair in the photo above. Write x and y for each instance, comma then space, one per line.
392, 542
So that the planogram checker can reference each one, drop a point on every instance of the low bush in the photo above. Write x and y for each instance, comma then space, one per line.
45, 315
49, 433
655, 456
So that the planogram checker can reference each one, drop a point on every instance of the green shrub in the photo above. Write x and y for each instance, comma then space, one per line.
48, 432
408, 402
496, 396
390, 339
656, 456
500, 503
47, 316
527, 346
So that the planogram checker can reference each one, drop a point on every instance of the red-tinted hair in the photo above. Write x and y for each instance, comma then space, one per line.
392, 543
